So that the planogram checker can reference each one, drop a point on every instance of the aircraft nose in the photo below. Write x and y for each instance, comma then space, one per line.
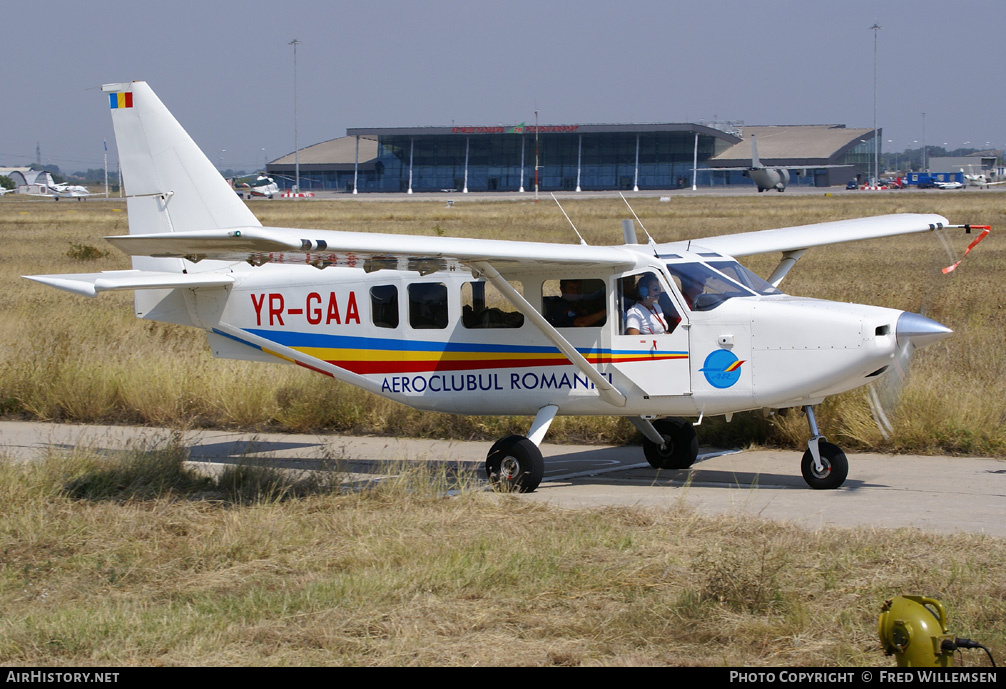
919, 330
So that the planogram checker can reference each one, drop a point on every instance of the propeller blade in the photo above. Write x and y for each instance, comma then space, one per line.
912, 331
884, 393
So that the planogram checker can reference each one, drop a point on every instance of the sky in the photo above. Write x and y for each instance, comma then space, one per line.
226, 69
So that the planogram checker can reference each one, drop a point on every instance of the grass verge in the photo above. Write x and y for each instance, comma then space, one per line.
137, 560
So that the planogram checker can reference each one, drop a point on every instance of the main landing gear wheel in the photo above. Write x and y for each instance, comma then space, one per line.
515, 464
681, 445
836, 467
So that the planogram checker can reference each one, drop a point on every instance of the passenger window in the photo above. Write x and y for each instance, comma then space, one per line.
483, 306
574, 302
428, 305
384, 306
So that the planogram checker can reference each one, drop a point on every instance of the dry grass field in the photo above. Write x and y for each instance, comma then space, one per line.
137, 561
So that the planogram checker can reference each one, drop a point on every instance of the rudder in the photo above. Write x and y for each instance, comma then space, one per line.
158, 157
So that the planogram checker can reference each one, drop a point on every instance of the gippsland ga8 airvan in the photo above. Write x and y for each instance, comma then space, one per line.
660, 333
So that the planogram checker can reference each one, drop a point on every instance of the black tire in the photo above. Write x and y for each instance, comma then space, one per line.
515, 463
681, 448
836, 467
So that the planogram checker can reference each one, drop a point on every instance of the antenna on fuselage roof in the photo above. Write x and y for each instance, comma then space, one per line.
637, 218
570, 221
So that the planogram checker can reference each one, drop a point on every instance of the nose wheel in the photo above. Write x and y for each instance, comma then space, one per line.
832, 470
824, 465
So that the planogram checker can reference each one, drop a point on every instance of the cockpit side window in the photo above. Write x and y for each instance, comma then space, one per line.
738, 273
645, 305
704, 288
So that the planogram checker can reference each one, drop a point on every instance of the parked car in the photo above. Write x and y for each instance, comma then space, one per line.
852, 184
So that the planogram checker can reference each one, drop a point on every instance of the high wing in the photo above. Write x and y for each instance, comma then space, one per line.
787, 239
259, 245
322, 248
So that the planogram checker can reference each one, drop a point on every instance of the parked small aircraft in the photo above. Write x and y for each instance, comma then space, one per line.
952, 184
41, 183
474, 326
980, 179
260, 186
765, 178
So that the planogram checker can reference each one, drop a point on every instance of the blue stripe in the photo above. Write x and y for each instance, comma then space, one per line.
296, 339
236, 339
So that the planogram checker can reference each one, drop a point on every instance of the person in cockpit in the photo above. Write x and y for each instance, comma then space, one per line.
646, 317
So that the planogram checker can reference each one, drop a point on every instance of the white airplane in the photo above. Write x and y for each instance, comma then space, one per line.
41, 183
979, 180
479, 326
766, 178
949, 185
261, 186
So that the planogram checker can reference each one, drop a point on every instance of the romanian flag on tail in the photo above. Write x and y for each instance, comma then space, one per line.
121, 100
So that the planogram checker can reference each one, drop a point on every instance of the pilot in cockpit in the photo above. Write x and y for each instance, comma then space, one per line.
646, 317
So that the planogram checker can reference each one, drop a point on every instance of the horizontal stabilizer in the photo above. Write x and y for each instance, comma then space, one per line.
90, 284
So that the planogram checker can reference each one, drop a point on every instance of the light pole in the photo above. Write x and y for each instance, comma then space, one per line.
296, 147
876, 152
863, 141
536, 155
925, 167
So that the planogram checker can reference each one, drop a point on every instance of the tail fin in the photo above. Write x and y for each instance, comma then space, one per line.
171, 186
755, 162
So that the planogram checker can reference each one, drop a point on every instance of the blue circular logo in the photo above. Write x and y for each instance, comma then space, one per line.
721, 368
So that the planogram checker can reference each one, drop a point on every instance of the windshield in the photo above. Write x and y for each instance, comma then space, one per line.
739, 273
704, 288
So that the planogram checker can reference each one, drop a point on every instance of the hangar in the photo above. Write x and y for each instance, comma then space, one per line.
574, 157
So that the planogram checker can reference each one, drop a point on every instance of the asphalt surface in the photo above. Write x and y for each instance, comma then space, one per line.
938, 494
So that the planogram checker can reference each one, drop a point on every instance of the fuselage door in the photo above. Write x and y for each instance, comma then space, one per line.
650, 345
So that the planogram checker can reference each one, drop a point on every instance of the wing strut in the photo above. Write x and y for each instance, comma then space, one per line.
605, 389
788, 260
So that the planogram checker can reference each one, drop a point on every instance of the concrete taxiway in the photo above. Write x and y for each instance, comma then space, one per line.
939, 494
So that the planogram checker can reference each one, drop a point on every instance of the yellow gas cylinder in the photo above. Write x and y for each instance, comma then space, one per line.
914, 629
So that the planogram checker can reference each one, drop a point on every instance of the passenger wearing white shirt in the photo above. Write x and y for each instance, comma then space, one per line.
646, 317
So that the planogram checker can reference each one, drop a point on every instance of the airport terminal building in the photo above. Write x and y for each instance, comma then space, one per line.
575, 157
